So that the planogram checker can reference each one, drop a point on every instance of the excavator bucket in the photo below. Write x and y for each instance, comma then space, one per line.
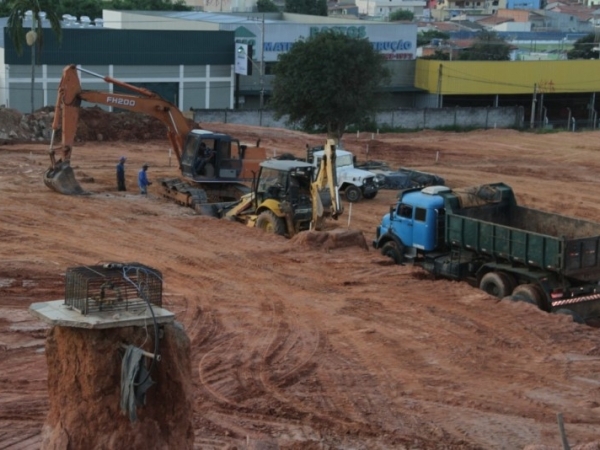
61, 179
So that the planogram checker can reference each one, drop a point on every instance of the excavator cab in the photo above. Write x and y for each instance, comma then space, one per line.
209, 156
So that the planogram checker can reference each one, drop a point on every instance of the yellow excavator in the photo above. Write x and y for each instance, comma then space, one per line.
222, 178
291, 196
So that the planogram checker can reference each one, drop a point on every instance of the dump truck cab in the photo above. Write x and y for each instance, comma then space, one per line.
355, 183
416, 221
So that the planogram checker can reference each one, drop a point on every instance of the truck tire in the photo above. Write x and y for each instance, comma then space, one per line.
496, 284
353, 194
270, 223
529, 293
393, 250
370, 196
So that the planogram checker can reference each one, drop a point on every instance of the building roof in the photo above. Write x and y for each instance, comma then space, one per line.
582, 12
494, 20
213, 17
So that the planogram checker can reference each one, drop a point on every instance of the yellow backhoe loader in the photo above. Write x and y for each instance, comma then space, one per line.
287, 197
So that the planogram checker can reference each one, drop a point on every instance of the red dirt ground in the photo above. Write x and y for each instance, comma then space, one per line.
295, 347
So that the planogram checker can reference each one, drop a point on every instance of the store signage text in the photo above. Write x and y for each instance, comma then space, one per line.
350, 31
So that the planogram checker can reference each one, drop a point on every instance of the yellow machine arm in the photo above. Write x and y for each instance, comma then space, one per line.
326, 180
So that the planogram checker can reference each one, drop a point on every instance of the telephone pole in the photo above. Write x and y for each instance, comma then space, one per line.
262, 69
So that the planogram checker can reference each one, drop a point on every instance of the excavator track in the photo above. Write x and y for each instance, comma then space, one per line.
209, 199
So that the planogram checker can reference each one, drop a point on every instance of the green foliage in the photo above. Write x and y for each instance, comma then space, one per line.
93, 8
328, 81
266, 6
438, 55
401, 14
19, 36
4, 8
17, 33
425, 37
488, 46
583, 48
148, 5
78, 8
311, 7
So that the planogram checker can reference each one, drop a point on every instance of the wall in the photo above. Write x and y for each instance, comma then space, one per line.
201, 86
408, 118
3, 77
507, 77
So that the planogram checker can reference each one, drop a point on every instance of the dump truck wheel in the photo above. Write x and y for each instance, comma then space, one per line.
392, 250
270, 223
576, 317
371, 196
496, 284
353, 194
529, 293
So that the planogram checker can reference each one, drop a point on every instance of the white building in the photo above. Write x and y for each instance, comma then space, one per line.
383, 8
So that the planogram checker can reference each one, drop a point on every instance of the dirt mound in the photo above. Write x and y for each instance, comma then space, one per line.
329, 240
95, 124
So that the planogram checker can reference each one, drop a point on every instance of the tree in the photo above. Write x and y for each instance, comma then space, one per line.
311, 7
425, 37
401, 14
583, 48
33, 37
488, 46
266, 6
327, 82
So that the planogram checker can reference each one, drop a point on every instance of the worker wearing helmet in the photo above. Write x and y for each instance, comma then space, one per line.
143, 182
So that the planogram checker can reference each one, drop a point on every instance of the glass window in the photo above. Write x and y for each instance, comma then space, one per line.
420, 214
190, 148
271, 177
405, 211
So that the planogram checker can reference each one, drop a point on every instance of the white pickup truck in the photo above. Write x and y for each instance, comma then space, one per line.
354, 183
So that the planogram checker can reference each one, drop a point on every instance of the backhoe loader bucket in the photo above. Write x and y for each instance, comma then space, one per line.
62, 179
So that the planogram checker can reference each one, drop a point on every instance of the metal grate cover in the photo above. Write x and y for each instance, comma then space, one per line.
112, 287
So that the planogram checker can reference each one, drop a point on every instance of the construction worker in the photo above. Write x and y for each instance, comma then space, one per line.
205, 154
143, 182
121, 174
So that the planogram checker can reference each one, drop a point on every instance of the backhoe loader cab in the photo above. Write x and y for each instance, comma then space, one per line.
282, 197
287, 197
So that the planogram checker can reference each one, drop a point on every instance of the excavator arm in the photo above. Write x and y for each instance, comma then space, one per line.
60, 176
326, 181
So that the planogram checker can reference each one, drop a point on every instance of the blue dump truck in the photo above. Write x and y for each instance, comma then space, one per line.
480, 235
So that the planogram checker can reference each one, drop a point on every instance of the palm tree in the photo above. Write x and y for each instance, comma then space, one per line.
39, 9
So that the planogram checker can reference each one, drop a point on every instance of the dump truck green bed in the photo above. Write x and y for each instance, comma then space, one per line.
526, 236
